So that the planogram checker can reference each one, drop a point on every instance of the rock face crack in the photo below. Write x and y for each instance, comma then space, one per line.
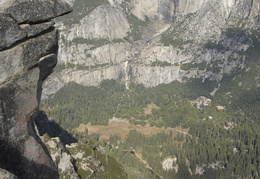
39, 10
28, 53
21, 41
46, 65
10, 32
251, 6
3, 118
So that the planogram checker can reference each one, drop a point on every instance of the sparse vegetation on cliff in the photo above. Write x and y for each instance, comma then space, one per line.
80, 9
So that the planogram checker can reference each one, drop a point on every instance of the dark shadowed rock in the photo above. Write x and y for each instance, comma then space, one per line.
50, 127
14, 162
46, 65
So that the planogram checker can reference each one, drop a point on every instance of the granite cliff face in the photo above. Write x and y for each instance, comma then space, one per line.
100, 23
153, 42
28, 53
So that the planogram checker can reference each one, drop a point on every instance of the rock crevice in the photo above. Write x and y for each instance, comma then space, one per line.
28, 53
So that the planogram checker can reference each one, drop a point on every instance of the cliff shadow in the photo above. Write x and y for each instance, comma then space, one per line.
13, 161
53, 129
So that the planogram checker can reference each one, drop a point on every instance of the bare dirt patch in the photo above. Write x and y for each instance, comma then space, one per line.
149, 108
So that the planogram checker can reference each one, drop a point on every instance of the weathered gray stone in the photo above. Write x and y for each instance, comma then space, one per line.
27, 56
153, 9
40, 157
34, 11
22, 57
38, 47
103, 22
188, 24
10, 32
18, 101
7, 175
36, 29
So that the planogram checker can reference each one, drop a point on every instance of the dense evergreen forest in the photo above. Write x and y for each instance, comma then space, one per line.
221, 143
75, 104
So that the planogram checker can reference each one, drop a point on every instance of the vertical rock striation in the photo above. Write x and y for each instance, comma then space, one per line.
28, 49
167, 40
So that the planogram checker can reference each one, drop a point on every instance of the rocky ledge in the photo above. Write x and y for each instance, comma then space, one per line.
28, 50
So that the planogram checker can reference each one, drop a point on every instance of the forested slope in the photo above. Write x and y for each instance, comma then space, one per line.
223, 139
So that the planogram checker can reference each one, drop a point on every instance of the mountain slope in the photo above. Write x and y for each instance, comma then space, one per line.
190, 68
157, 42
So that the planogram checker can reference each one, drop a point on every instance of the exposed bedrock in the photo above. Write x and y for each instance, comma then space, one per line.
28, 53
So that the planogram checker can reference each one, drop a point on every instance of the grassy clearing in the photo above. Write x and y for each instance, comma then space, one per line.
122, 128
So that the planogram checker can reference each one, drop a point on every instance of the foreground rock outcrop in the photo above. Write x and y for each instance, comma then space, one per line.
75, 159
28, 53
